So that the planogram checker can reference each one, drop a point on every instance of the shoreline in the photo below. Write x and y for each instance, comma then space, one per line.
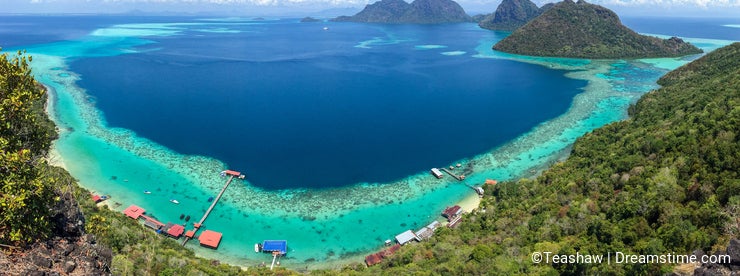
470, 203
329, 211
54, 158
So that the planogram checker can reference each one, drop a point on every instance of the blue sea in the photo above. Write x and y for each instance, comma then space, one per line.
297, 106
335, 125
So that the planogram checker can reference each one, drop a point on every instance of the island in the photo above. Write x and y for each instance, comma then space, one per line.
584, 30
418, 12
309, 19
511, 14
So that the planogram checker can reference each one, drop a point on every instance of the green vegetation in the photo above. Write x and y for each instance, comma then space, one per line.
664, 181
583, 30
25, 136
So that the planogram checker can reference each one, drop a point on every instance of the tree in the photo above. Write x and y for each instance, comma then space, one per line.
26, 190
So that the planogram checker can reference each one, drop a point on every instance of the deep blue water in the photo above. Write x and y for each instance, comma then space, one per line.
293, 105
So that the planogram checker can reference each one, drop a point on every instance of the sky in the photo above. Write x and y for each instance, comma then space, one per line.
682, 8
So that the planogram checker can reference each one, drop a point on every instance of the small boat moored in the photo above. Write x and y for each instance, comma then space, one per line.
147, 192
174, 201
257, 247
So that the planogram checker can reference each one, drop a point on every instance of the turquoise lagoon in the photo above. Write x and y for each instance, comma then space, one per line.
324, 226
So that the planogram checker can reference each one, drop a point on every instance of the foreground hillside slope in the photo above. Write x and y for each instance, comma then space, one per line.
583, 30
41, 226
664, 181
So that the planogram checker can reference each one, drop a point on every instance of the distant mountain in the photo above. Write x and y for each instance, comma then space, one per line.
583, 30
418, 12
510, 15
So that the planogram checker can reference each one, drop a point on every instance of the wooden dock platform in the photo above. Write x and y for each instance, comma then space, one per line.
213, 204
458, 177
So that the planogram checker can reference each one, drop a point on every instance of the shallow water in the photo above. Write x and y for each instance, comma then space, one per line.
321, 225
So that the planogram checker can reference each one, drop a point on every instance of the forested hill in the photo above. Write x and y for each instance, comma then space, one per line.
418, 12
664, 181
583, 30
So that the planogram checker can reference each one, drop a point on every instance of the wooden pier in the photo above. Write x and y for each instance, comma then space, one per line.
231, 175
458, 177
478, 190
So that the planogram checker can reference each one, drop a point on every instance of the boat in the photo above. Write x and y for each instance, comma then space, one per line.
174, 201
147, 192
257, 248
326, 28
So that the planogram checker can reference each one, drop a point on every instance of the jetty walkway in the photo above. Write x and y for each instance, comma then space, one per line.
232, 175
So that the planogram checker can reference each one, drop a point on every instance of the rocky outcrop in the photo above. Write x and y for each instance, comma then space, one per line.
717, 269
69, 252
511, 14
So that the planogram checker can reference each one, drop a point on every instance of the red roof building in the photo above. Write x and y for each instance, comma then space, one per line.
232, 173
373, 259
96, 198
174, 230
210, 239
392, 249
190, 234
452, 212
134, 212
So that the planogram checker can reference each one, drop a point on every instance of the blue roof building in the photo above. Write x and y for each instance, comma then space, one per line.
275, 246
